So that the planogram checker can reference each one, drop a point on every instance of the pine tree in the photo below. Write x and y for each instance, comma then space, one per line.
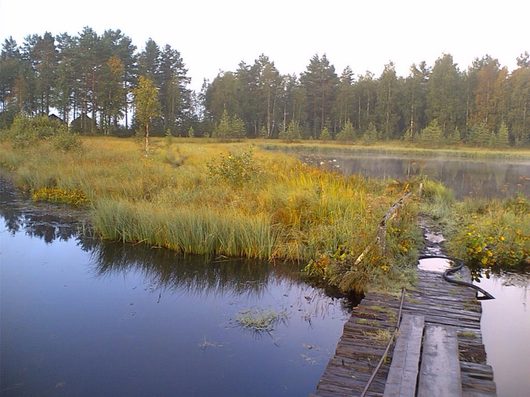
371, 134
480, 135
320, 83
432, 134
293, 132
347, 133
325, 135
503, 137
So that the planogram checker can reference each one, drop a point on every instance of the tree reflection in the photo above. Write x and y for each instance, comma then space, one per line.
195, 274
163, 269
43, 221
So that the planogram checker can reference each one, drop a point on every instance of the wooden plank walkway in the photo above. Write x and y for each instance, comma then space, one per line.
403, 374
367, 332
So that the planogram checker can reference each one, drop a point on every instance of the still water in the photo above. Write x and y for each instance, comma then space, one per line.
84, 318
506, 331
466, 178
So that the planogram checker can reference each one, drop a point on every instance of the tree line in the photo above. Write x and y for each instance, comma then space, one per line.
89, 79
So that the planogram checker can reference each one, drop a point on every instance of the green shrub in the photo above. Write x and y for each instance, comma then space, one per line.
236, 168
325, 135
56, 195
293, 132
347, 133
66, 141
493, 233
26, 131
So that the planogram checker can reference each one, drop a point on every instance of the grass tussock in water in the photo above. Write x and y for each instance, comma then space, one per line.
203, 197
260, 320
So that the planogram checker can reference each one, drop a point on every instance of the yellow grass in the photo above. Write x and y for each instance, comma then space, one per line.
171, 198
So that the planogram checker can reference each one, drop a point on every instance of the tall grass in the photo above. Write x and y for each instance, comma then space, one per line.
194, 196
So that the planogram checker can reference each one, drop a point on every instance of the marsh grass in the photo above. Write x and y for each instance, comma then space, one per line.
254, 204
492, 233
437, 201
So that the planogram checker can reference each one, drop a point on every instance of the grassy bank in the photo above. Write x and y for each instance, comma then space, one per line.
492, 233
198, 196
484, 233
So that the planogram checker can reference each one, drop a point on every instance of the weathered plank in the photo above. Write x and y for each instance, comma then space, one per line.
403, 373
440, 366
363, 342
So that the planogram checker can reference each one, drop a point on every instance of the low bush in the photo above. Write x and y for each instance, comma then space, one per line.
27, 131
492, 233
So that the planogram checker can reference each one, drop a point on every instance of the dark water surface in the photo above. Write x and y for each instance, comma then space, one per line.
84, 318
467, 178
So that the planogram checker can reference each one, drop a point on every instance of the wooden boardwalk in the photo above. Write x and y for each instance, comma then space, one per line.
367, 333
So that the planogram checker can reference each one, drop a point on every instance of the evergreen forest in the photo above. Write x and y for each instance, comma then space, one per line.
89, 81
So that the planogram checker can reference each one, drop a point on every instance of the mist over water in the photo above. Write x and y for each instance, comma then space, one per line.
467, 178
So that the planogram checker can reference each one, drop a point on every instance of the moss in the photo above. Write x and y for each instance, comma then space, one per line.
63, 196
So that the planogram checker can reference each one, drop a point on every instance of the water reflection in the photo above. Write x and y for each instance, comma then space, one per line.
467, 178
195, 274
84, 317
48, 222
505, 329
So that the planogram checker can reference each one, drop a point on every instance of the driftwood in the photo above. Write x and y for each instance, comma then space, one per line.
380, 239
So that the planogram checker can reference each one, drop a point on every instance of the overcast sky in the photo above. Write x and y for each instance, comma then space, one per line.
214, 35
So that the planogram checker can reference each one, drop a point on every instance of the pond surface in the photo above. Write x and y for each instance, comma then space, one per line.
506, 331
84, 318
467, 178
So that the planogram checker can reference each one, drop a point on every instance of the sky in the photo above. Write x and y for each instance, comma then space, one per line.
214, 36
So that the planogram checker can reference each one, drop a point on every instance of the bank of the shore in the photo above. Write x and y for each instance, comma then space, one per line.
213, 198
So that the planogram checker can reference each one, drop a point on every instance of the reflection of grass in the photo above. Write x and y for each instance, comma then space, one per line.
260, 320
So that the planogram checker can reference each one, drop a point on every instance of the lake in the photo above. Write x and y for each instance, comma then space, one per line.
465, 177
84, 318
81, 317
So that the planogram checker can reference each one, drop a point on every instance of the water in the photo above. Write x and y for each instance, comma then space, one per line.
467, 178
84, 318
506, 331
